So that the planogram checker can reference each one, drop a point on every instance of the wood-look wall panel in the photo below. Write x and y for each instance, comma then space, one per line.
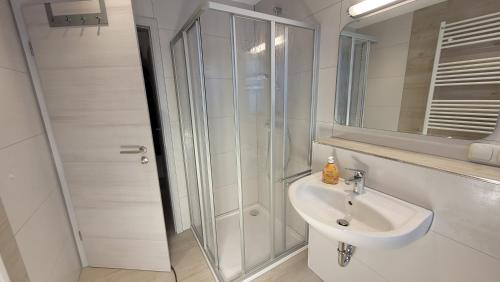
128, 254
111, 45
83, 89
102, 182
105, 219
89, 143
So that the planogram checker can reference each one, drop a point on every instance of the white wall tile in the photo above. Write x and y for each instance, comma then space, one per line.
19, 115
330, 29
324, 129
173, 112
173, 14
299, 89
326, 91
27, 179
388, 61
224, 169
11, 55
320, 154
222, 135
67, 268
295, 9
219, 94
381, 117
184, 206
386, 91
324, 262
432, 258
216, 23
226, 199
217, 57
165, 36
29, 188
143, 8
40, 239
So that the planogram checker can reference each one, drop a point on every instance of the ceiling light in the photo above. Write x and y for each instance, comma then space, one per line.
367, 6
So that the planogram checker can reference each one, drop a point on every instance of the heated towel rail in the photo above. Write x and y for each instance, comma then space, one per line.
473, 116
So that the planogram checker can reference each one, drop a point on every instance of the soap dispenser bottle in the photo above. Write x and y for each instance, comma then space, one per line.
330, 172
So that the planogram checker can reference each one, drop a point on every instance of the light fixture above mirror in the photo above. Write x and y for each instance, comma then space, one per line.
369, 6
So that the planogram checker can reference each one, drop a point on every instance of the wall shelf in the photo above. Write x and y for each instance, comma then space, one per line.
476, 171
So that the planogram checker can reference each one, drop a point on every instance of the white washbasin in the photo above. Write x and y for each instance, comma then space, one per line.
376, 220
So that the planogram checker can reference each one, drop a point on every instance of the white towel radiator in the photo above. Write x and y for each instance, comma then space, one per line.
474, 116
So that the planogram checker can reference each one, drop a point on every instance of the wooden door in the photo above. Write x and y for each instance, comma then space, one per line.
93, 86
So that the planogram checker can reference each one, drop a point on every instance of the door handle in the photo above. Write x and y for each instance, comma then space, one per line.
133, 149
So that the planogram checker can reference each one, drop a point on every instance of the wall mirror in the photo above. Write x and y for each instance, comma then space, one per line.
432, 70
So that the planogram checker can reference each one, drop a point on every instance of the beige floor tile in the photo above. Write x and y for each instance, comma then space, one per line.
293, 270
91, 274
190, 265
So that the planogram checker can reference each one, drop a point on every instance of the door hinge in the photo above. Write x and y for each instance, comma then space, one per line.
80, 235
31, 48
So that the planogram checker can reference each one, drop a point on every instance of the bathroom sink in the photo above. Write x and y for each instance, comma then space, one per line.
371, 219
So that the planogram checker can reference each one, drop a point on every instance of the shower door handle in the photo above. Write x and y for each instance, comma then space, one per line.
298, 174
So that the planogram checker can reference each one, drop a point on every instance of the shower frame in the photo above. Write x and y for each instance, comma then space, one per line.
193, 22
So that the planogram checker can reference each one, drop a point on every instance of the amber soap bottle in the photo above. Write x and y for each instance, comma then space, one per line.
330, 172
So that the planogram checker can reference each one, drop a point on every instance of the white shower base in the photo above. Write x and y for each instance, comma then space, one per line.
256, 237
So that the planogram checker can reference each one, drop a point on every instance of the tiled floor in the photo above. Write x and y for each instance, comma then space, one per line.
190, 265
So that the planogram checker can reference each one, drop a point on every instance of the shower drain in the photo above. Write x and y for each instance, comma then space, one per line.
254, 212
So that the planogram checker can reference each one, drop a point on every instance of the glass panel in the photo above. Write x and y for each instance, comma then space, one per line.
181, 83
280, 137
343, 79
200, 126
294, 75
254, 97
352, 80
217, 63
358, 86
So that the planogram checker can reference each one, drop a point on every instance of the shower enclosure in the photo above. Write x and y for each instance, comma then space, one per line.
354, 56
245, 84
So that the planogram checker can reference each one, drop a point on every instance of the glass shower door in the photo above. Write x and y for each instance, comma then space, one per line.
251, 56
188, 142
244, 89
200, 127
293, 132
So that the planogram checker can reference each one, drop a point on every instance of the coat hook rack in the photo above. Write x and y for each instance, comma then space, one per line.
92, 19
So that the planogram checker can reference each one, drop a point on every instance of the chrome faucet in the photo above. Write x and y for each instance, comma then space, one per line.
358, 180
